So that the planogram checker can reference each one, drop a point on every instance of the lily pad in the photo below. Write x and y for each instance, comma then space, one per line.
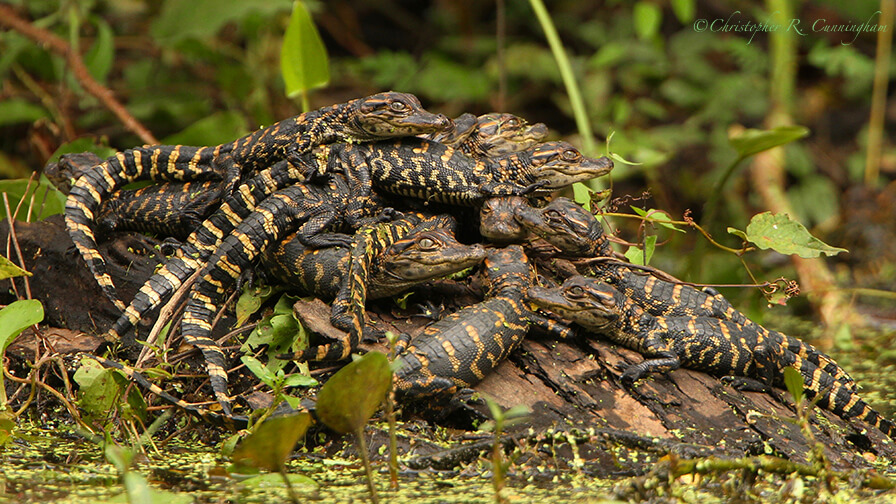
352, 395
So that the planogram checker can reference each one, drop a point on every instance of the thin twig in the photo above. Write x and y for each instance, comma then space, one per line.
165, 314
15, 243
54, 44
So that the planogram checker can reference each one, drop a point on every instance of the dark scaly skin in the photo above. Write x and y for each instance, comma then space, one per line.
576, 232
172, 209
497, 222
464, 126
203, 242
717, 346
434, 172
446, 176
383, 264
461, 349
423, 254
308, 208
384, 115
491, 135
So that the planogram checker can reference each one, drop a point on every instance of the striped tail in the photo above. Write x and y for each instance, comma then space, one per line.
275, 217
89, 191
836, 396
202, 243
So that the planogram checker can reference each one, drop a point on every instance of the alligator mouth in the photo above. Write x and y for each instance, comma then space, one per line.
427, 269
434, 122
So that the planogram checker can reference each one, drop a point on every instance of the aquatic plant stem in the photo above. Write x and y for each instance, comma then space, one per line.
365, 457
879, 93
569, 80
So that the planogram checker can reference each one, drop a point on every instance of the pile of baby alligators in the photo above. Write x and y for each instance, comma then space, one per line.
316, 202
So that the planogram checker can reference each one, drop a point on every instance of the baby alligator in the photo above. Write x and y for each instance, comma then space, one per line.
577, 233
719, 347
461, 349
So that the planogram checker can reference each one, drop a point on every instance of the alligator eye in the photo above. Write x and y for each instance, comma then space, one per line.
553, 215
575, 292
398, 106
513, 123
426, 243
570, 155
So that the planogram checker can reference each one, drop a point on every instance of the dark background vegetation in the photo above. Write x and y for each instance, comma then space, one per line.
206, 71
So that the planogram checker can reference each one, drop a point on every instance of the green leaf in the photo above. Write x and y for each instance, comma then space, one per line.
47, 199
217, 128
794, 382
250, 301
8, 269
582, 195
352, 395
636, 255
85, 144
259, 370
99, 390
99, 58
16, 317
303, 58
684, 10
753, 141
653, 214
299, 380
272, 441
782, 234
201, 19
647, 17
738, 233
18, 110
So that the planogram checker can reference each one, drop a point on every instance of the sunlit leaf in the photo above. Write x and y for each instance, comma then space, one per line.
352, 395
303, 58
738, 233
99, 389
753, 141
784, 235
647, 17
8, 269
299, 380
272, 441
250, 301
17, 316
582, 195
684, 10
636, 255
